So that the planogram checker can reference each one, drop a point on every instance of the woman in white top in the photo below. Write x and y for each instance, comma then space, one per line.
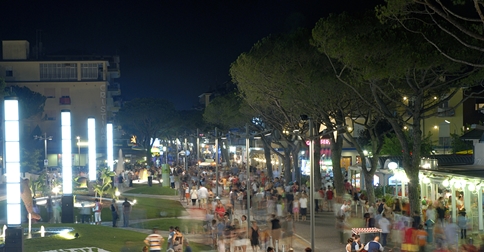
194, 195
295, 207
303, 203
187, 192
348, 244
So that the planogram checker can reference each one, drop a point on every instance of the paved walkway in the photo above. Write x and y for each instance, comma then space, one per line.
326, 237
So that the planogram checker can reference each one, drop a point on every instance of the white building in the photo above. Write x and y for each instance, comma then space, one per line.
84, 84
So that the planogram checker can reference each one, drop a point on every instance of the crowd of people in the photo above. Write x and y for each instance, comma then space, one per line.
401, 230
274, 204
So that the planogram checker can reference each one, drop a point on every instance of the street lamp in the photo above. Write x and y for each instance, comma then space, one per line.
79, 150
46, 160
45, 138
311, 182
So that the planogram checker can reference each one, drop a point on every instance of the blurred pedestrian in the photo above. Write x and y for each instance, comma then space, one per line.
384, 224
114, 212
374, 245
85, 212
462, 223
126, 212
49, 207
97, 211
303, 203
254, 236
57, 211
194, 195
154, 241
276, 230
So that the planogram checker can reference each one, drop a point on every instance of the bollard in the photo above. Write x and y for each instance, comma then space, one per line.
283, 248
277, 246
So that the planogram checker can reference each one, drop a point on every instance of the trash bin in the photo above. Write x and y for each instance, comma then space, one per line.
150, 180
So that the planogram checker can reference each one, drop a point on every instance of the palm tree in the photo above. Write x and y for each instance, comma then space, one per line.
104, 184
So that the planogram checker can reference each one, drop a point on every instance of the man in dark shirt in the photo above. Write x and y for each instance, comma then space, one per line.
374, 245
126, 212
369, 222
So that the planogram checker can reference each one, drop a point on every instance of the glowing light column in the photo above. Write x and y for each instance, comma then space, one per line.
67, 198
14, 232
110, 154
91, 134
12, 161
66, 152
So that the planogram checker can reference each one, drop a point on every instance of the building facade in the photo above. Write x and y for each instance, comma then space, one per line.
83, 84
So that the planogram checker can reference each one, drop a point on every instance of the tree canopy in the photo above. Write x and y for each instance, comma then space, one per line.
439, 23
146, 118
406, 78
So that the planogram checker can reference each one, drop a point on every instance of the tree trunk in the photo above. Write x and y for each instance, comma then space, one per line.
267, 155
317, 167
149, 162
295, 164
413, 191
287, 164
368, 176
336, 148
225, 152
370, 189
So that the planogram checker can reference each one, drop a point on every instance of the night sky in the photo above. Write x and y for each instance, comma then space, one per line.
174, 49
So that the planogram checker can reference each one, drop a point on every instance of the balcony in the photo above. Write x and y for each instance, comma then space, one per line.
114, 89
445, 112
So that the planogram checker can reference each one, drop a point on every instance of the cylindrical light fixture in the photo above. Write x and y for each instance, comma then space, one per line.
66, 152
110, 146
91, 135
12, 160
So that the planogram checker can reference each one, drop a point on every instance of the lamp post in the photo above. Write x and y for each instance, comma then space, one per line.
249, 187
79, 150
311, 182
198, 158
216, 161
44, 138
46, 160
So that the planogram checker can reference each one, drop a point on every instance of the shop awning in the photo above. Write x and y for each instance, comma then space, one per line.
474, 134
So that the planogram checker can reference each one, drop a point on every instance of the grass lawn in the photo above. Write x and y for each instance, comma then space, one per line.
186, 225
154, 190
151, 208
145, 208
111, 239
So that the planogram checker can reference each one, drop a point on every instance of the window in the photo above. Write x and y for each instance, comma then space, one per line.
65, 92
58, 71
479, 106
444, 111
89, 71
49, 92
8, 72
444, 141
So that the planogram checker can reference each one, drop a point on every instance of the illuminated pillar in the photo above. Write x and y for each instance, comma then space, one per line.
67, 198
66, 152
14, 232
479, 209
91, 135
110, 151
